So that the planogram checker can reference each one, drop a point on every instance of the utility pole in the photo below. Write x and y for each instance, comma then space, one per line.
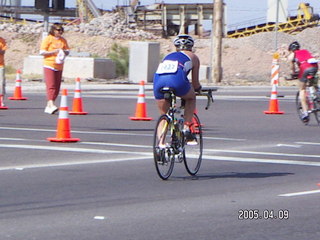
216, 35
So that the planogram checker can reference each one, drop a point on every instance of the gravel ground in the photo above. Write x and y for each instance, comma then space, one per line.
245, 61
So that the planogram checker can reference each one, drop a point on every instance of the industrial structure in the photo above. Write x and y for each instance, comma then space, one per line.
167, 19
305, 18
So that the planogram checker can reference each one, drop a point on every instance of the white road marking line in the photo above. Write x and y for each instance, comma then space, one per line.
288, 145
109, 133
68, 149
309, 143
225, 139
261, 160
85, 162
299, 193
264, 153
14, 139
81, 132
116, 144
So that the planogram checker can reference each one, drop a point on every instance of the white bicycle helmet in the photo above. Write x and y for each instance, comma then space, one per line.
183, 42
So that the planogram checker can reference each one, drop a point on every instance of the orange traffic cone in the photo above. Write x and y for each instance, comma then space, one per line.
18, 90
141, 108
77, 108
2, 106
63, 127
273, 104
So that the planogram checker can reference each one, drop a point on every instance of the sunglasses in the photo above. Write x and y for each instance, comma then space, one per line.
59, 29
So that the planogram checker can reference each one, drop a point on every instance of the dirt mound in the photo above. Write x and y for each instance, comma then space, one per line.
244, 60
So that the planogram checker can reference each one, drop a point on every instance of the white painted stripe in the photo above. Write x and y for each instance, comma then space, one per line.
299, 193
309, 143
288, 145
83, 132
14, 139
149, 154
117, 144
22, 167
111, 133
63, 114
224, 139
69, 149
265, 153
262, 160
77, 95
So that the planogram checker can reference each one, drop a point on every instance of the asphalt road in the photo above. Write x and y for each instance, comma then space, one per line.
259, 177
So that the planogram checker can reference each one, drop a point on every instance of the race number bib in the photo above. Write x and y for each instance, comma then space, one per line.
167, 66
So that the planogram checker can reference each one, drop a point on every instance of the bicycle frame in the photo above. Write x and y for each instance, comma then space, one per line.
312, 98
169, 144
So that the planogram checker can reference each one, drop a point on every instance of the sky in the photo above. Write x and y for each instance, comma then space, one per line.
238, 11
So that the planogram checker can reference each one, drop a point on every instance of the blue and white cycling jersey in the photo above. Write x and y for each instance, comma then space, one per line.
172, 72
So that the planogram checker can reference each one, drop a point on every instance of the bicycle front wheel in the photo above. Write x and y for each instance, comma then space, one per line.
193, 153
162, 150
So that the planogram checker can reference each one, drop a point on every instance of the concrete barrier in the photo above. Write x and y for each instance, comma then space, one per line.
204, 73
143, 61
83, 67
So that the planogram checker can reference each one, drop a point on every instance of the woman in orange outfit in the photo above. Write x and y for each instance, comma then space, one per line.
54, 48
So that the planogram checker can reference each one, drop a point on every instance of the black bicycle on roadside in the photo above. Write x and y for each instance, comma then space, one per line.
169, 143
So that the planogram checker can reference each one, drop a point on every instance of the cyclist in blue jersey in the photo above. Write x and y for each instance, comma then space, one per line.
172, 72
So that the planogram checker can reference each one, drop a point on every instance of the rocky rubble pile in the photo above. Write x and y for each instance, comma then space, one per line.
249, 59
110, 25
245, 60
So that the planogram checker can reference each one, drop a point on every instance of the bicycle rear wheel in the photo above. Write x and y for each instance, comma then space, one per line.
193, 153
162, 151
316, 110
299, 108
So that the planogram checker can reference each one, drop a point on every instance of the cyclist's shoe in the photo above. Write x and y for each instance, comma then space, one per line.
190, 137
305, 118
163, 145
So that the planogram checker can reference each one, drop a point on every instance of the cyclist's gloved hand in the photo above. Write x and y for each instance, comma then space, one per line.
198, 90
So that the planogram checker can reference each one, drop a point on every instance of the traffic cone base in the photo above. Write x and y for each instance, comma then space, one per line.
141, 108
63, 139
276, 112
140, 118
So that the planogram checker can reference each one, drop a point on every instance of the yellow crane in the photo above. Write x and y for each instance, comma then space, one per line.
305, 18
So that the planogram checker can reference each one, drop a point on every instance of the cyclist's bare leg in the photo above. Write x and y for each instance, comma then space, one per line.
163, 106
190, 105
303, 98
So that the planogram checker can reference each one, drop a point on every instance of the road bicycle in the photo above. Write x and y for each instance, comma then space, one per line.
169, 143
313, 100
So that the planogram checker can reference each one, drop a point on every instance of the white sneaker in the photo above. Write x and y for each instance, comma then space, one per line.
51, 110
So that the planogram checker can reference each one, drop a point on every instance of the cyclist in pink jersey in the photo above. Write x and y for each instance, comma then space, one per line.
302, 64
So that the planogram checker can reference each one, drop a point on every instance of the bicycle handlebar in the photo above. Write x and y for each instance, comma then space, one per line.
207, 91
